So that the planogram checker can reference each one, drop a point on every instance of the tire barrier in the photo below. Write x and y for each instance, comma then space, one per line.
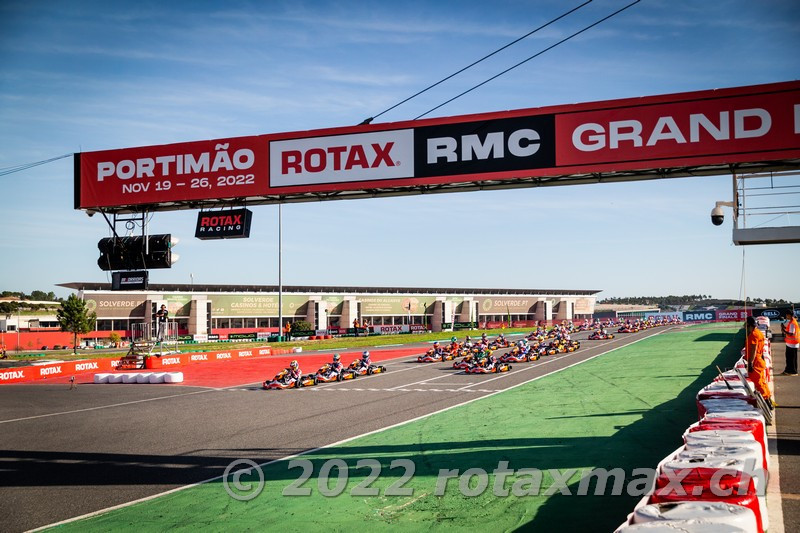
140, 377
718, 512
721, 468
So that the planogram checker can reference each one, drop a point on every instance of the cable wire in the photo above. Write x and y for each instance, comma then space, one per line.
615, 13
18, 168
370, 119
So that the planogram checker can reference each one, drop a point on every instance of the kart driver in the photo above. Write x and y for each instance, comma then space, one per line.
437, 350
454, 345
365, 361
293, 372
336, 366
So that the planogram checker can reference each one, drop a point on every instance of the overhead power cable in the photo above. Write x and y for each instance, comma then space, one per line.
18, 168
515, 41
615, 13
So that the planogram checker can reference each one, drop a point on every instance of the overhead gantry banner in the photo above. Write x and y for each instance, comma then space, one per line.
752, 128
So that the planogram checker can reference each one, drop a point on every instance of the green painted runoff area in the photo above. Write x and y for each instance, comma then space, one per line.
626, 409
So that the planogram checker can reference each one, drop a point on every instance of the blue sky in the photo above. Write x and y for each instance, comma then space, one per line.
86, 76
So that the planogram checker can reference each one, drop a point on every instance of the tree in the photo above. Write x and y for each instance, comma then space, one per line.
75, 318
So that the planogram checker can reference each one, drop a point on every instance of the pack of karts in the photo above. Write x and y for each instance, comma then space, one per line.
327, 374
282, 380
362, 370
600, 336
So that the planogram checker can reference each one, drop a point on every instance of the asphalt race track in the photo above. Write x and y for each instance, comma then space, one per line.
65, 453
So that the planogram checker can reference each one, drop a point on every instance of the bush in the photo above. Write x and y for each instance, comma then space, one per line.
115, 338
302, 325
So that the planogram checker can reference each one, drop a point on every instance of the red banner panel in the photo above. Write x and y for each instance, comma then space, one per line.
223, 168
640, 138
701, 127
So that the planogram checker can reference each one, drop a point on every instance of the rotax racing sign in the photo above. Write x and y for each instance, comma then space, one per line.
636, 137
230, 224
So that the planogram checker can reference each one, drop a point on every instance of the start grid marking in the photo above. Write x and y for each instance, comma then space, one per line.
394, 389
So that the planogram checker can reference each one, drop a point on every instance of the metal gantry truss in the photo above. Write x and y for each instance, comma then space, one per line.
766, 207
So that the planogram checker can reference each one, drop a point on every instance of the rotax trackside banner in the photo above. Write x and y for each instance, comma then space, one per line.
718, 127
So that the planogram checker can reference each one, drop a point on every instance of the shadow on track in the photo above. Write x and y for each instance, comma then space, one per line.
639, 445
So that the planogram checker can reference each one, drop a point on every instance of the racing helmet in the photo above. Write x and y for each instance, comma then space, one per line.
336, 357
365, 355
436, 343
453, 339
293, 364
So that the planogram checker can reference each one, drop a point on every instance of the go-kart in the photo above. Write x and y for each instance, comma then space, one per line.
518, 356
628, 329
497, 343
431, 357
465, 363
359, 370
480, 348
282, 381
597, 336
493, 369
326, 375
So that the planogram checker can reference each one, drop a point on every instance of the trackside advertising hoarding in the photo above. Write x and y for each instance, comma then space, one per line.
637, 137
705, 315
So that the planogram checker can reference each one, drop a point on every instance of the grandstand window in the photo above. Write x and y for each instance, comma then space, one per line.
105, 325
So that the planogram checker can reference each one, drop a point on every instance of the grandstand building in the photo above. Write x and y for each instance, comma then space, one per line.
202, 310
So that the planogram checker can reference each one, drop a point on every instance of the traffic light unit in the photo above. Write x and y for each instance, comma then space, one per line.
130, 253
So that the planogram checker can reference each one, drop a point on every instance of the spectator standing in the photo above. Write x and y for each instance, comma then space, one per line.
791, 337
287, 332
162, 316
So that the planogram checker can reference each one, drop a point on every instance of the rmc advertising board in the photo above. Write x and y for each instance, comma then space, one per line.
636, 138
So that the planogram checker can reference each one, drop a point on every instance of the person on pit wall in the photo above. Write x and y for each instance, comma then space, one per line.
754, 353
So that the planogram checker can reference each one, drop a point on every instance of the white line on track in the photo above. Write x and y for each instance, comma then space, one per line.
423, 381
343, 441
106, 406
205, 390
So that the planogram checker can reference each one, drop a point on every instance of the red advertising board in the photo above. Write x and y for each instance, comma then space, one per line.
635, 138
67, 368
732, 315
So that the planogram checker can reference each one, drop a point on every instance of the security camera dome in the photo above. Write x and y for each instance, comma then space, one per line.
717, 216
